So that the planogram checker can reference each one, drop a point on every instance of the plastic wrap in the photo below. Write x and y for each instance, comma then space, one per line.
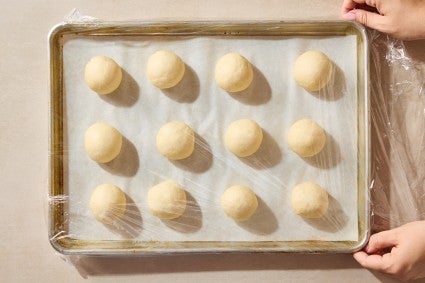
138, 109
396, 89
397, 116
212, 168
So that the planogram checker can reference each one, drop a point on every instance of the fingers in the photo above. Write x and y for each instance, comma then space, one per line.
371, 3
377, 242
366, 18
350, 16
351, 5
347, 6
382, 240
375, 262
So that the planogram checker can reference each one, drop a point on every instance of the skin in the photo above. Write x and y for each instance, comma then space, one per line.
399, 252
402, 19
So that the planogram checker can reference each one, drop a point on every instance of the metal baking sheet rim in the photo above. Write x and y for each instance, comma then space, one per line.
64, 244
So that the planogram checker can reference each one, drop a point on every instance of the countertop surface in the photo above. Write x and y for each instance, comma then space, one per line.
25, 252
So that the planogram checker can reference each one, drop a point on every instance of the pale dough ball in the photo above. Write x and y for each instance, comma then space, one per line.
165, 69
306, 138
313, 70
102, 142
309, 200
175, 140
108, 203
167, 200
233, 72
103, 75
239, 202
243, 137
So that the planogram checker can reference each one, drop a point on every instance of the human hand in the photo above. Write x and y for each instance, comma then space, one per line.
403, 19
399, 252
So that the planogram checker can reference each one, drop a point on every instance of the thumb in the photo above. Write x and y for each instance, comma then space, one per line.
382, 240
369, 19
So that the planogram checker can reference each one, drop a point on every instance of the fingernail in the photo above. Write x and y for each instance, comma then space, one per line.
350, 16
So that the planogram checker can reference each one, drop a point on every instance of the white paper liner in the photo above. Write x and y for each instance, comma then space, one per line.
137, 109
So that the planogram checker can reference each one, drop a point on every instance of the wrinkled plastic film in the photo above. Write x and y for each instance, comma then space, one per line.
205, 175
75, 16
266, 172
397, 116
396, 111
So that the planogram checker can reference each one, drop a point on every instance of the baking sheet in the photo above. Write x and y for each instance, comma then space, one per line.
274, 100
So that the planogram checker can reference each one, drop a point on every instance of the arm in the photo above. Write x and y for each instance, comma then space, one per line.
406, 251
403, 19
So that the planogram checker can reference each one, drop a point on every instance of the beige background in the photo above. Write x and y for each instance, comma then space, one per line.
25, 253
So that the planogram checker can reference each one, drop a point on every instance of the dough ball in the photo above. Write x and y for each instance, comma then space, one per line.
108, 203
165, 69
175, 140
167, 200
306, 138
313, 70
102, 142
103, 75
309, 200
233, 72
243, 137
239, 202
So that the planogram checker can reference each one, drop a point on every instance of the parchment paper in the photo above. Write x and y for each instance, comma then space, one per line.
137, 109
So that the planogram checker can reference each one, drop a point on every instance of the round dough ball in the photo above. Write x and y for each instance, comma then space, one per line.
103, 75
239, 202
313, 70
165, 69
309, 200
233, 72
243, 137
175, 140
167, 200
108, 203
306, 138
102, 142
